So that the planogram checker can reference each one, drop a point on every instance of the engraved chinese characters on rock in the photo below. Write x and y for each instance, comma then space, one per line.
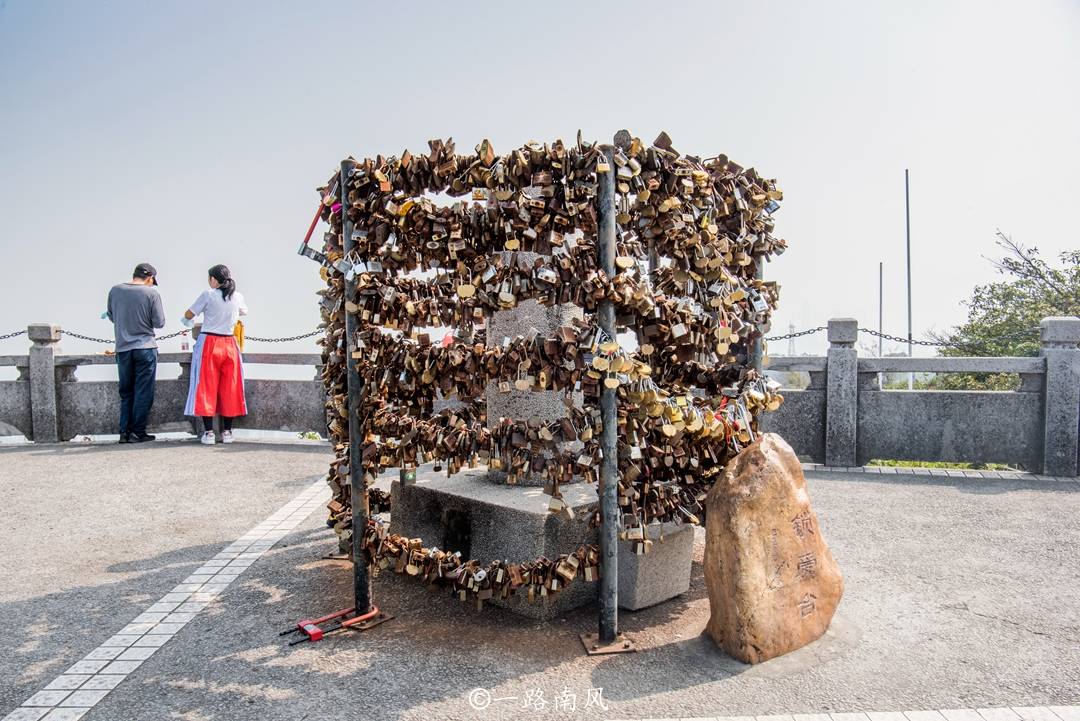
803, 525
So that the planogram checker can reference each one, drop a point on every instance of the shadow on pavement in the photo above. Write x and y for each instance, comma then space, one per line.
49, 633
434, 651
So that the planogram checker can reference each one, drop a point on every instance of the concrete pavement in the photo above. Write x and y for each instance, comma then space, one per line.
960, 593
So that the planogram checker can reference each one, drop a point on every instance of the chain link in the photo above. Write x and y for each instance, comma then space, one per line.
898, 339
80, 336
110, 341
315, 332
788, 336
949, 344
800, 334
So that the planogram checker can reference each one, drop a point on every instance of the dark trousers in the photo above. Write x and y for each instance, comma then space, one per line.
137, 370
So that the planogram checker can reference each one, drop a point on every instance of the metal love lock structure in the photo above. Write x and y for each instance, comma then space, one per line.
661, 249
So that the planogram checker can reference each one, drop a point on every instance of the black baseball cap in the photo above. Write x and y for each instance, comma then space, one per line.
145, 270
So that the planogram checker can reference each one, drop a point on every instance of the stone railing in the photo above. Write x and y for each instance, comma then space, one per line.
845, 419
842, 419
47, 403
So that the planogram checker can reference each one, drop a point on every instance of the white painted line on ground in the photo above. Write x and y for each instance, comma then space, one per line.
70, 695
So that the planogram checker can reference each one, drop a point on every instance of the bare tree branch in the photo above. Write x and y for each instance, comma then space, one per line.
1026, 258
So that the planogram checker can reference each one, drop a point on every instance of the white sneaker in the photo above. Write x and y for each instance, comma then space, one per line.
207, 438
226, 437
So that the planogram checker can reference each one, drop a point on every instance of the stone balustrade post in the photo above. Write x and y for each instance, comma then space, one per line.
44, 411
841, 393
1059, 339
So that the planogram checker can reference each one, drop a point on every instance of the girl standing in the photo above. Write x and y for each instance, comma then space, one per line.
217, 376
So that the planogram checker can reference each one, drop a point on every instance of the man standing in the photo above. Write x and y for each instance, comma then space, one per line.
135, 310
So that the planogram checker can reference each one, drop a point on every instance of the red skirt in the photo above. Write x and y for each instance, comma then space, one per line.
217, 378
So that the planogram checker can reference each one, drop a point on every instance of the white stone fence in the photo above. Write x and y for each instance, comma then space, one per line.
845, 419
842, 419
47, 403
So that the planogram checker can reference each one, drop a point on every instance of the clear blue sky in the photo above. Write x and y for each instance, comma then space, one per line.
192, 133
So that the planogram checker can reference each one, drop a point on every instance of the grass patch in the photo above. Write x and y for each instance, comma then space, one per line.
942, 464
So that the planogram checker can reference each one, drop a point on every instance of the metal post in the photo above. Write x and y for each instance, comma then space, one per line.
609, 468
880, 316
357, 487
907, 228
757, 348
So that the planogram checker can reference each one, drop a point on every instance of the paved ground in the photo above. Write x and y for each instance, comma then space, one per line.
960, 593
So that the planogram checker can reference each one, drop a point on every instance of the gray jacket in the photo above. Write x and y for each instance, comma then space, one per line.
135, 311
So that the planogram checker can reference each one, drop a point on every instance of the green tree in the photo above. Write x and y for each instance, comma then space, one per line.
1003, 317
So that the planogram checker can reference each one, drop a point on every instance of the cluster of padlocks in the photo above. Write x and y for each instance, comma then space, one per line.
691, 235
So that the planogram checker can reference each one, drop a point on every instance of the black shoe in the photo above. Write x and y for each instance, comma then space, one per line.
142, 439
125, 438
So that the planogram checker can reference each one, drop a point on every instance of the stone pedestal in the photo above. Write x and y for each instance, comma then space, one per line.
488, 521
42, 371
842, 393
1060, 337
659, 575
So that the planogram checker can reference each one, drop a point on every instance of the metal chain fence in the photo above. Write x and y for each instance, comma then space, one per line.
771, 339
80, 336
109, 341
800, 334
952, 344
928, 343
286, 339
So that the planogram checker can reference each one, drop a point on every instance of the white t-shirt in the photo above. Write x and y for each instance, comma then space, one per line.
219, 315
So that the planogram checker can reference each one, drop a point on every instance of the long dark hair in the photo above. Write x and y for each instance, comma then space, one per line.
223, 276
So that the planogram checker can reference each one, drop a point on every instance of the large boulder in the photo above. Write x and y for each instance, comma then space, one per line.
773, 584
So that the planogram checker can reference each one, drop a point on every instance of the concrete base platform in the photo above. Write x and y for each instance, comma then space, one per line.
487, 521
661, 574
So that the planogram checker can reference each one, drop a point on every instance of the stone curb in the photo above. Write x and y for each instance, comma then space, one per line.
935, 473
1006, 713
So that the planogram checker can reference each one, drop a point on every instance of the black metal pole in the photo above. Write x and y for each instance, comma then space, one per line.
757, 348
880, 317
357, 488
907, 236
609, 468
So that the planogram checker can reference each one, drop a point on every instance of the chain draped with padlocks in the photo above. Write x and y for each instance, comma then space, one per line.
691, 233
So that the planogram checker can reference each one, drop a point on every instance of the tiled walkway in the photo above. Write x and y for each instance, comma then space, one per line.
73, 693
